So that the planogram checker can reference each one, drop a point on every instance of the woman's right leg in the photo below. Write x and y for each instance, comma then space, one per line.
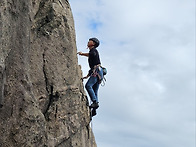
89, 87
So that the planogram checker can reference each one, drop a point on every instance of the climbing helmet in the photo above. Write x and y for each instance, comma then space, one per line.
96, 41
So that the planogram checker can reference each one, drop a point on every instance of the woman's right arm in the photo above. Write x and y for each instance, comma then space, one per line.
83, 54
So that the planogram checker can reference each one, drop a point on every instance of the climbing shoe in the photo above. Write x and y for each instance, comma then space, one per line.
94, 112
94, 105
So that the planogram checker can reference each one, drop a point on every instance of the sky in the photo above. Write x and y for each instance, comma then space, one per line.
148, 48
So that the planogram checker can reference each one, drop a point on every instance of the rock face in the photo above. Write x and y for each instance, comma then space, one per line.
44, 103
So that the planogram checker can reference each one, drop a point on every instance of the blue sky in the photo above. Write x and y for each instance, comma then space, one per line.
148, 47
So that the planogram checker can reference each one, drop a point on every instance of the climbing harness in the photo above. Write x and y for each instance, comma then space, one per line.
95, 73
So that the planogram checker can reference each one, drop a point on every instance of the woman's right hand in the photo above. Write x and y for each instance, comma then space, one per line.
80, 53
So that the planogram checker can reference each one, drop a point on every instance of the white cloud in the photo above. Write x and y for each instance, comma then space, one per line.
148, 48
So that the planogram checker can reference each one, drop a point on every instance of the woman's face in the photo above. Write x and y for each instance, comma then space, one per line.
90, 43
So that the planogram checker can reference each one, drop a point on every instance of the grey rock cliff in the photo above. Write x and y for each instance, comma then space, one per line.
44, 103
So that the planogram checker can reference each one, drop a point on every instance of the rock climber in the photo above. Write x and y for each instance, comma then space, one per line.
95, 73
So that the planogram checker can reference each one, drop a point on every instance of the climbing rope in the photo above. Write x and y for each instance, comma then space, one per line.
91, 131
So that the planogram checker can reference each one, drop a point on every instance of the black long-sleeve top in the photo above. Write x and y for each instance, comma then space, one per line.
93, 58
